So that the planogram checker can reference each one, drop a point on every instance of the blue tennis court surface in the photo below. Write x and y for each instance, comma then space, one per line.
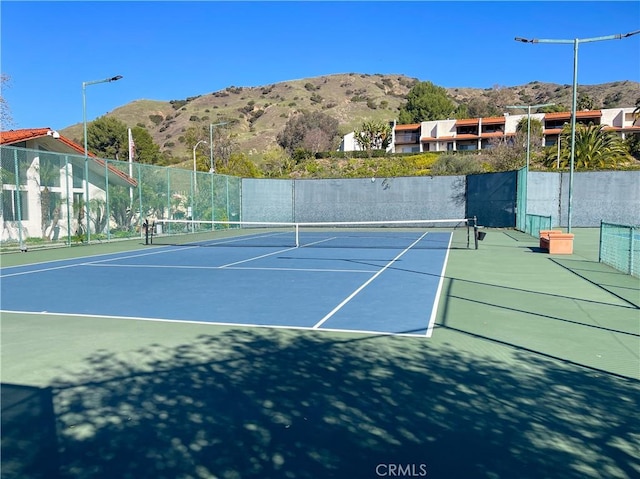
369, 290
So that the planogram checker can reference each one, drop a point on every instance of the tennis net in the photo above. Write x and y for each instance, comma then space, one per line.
620, 247
419, 234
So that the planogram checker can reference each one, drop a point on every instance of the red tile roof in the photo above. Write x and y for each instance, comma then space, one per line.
565, 115
467, 122
15, 136
493, 120
412, 126
624, 129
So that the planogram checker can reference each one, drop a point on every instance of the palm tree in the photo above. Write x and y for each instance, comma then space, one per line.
594, 148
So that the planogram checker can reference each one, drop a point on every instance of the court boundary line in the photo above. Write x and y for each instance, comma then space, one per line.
436, 301
215, 323
365, 284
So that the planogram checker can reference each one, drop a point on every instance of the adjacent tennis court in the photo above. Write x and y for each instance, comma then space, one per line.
382, 279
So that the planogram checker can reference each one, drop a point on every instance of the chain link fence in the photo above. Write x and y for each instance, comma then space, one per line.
47, 200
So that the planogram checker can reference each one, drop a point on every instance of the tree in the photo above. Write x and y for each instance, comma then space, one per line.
456, 164
536, 130
313, 131
510, 153
633, 144
48, 173
594, 148
107, 137
146, 151
505, 154
276, 163
373, 135
585, 102
558, 107
481, 108
224, 143
633, 140
426, 101
240, 165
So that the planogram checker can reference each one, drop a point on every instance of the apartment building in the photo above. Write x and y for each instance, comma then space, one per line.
478, 133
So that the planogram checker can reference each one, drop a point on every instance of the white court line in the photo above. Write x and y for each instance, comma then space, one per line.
256, 257
212, 323
434, 311
365, 284
83, 263
42, 270
138, 255
239, 268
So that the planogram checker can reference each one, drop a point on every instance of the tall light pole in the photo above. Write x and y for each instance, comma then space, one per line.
575, 42
528, 108
526, 171
212, 168
86, 150
194, 159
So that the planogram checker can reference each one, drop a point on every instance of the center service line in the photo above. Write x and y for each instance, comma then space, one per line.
352, 295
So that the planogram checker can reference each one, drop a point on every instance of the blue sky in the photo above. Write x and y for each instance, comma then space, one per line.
173, 50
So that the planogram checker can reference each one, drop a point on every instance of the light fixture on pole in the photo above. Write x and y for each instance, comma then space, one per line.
212, 166
86, 149
575, 43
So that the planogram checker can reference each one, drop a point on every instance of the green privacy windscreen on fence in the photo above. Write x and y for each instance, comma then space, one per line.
492, 199
521, 199
620, 247
46, 200
533, 224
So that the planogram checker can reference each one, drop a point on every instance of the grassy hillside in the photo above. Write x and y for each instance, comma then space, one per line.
258, 114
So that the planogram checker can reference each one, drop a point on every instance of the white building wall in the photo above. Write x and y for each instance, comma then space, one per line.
617, 117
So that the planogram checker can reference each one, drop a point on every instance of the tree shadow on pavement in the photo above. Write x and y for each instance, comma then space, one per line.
278, 404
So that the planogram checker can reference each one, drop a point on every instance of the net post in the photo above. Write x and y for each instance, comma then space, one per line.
153, 230
600, 245
475, 231
297, 228
467, 220
145, 225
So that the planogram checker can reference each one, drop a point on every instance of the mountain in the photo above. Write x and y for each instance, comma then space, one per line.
257, 114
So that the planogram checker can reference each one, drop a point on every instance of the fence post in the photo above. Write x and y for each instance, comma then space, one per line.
632, 233
23, 248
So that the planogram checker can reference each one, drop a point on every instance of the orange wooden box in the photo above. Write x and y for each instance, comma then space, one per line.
556, 242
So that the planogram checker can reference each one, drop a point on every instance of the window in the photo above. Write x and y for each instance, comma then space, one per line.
467, 145
467, 130
78, 176
406, 137
410, 149
50, 206
10, 199
50, 166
